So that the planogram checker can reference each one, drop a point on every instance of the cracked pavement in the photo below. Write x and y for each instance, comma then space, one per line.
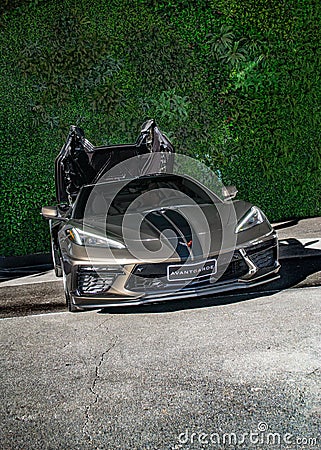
149, 377
92, 389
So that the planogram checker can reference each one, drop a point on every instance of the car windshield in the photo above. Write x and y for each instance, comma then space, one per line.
144, 193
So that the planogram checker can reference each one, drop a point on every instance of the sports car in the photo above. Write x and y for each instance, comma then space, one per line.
129, 229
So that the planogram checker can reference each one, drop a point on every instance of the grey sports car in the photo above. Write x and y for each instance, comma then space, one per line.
128, 229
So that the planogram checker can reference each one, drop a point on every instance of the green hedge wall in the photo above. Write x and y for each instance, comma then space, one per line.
234, 83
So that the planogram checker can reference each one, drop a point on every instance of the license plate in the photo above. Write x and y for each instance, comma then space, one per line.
185, 272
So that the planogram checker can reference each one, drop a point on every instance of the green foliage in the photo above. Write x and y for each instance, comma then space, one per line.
234, 84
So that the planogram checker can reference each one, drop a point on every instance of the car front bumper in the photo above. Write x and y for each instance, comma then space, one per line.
251, 265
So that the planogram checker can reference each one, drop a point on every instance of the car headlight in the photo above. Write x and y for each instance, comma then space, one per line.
252, 218
89, 239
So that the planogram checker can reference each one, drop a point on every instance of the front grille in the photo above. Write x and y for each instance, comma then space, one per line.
154, 276
151, 277
158, 270
95, 280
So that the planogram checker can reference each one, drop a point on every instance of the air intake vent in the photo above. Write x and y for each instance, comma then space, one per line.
95, 280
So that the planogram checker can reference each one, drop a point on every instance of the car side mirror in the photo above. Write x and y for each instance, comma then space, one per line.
51, 212
229, 192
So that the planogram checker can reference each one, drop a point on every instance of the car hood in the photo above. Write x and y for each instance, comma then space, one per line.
147, 227
80, 163
221, 220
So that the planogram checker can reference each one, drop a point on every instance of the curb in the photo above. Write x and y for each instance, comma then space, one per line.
19, 266
32, 260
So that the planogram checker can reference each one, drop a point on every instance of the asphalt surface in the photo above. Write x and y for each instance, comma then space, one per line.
299, 228
224, 372
148, 378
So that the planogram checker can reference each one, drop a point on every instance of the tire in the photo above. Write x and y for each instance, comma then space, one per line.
58, 271
56, 260
70, 306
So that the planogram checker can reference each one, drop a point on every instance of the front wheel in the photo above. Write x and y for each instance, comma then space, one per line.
56, 259
58, 271
70, 306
